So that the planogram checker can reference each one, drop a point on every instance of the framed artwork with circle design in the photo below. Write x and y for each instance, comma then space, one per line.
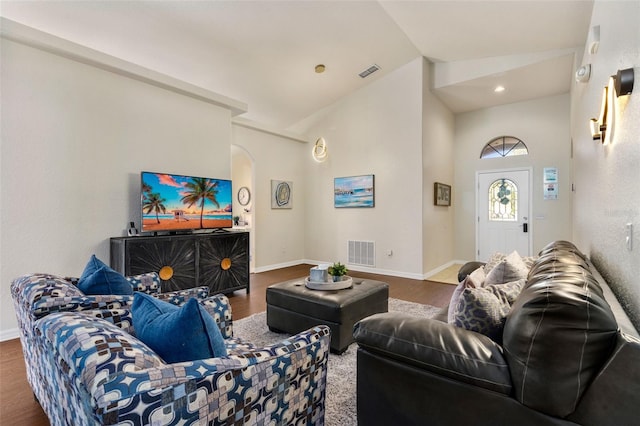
281, 194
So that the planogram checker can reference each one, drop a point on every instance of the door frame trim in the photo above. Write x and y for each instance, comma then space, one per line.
477, 202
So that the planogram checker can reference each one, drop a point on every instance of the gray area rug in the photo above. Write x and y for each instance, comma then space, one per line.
341, 375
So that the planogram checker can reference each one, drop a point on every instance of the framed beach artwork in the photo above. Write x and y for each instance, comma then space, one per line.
441, 194
354, 191
281, 194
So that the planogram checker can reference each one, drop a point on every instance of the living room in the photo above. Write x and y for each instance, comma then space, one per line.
75, 138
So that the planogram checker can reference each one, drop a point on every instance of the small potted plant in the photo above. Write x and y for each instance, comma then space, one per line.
337, 271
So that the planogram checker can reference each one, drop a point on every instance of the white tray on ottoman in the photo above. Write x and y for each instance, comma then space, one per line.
345, 282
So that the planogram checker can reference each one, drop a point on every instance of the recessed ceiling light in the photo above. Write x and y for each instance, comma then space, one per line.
499, 89
320, 68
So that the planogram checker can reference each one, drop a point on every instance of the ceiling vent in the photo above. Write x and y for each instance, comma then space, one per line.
366, 73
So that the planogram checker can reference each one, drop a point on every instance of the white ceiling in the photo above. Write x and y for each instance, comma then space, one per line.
264, 52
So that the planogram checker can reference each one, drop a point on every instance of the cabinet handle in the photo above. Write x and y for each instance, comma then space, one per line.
166, 272
225, 263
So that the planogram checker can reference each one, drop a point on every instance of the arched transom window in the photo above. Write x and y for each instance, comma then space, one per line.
504, 146
503, 195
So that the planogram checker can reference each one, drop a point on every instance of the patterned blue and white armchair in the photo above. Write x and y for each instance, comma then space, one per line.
86, 366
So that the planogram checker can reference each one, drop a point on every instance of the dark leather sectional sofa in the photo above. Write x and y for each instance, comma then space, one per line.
564, 359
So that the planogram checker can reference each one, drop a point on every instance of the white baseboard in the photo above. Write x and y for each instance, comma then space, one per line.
10, 334
278, 266
401, 274
360, 268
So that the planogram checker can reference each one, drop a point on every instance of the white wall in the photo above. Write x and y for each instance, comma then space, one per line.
438, 127
607, 177
279, 234
376, 130
74, 140
543, 125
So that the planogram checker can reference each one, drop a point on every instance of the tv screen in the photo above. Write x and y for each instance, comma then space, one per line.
176, 202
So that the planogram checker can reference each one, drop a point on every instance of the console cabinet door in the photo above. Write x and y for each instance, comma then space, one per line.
224, 262
172, 258
218, 261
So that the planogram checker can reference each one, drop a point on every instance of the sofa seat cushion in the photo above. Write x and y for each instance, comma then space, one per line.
437, 347
175, 333
558, 335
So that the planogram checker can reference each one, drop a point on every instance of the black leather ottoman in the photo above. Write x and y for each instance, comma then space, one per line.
292, 308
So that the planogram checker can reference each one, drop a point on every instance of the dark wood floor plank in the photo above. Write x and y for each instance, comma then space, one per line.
17, 405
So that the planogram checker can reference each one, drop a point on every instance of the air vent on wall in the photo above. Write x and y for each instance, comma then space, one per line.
373, 68
362, 253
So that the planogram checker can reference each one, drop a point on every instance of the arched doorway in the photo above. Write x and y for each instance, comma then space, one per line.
242, 177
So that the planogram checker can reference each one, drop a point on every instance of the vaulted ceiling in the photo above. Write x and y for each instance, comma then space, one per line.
264, 52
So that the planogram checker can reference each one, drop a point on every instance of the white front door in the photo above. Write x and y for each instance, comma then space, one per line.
503, 200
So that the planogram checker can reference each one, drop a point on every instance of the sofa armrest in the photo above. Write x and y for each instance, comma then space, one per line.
438, 347
219, 308
102, 373
614, 395
468, 268
284, 383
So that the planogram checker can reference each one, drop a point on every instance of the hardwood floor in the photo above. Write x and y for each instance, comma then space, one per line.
18, 406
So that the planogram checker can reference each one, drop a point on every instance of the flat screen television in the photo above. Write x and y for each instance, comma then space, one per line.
178, 203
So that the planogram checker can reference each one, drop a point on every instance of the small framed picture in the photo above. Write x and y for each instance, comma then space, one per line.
441, 194
281, 194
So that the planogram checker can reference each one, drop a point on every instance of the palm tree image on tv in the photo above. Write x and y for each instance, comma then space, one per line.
153, 203
177, 202
200, 190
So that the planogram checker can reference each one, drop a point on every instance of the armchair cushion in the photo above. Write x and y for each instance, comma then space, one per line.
177, 334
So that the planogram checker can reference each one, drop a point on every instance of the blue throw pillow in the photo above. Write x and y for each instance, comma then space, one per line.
175, 333
92, 266
105, 281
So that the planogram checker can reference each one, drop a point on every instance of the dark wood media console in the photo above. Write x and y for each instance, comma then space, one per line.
218, 260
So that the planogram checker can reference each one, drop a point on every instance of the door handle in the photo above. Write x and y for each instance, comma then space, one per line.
525, 227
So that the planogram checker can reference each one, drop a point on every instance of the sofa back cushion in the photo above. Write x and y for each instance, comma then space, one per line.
559, 333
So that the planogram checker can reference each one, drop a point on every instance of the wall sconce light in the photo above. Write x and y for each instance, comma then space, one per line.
621, 84
320, 152
624, 82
